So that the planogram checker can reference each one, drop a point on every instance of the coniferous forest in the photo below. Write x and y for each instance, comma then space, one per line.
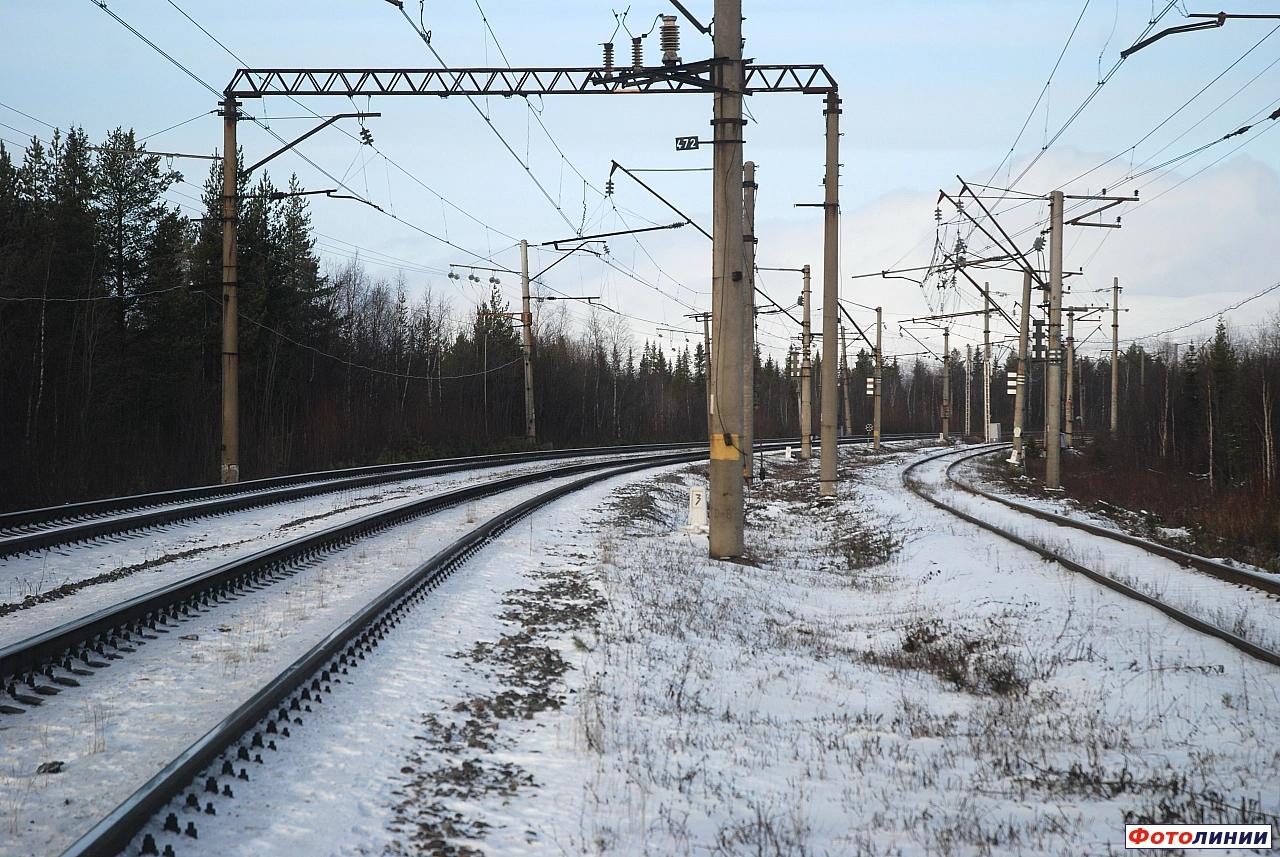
110, 357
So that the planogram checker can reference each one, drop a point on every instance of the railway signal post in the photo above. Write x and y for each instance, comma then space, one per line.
1115, 355
946, 384
1020, 390
806, 372
748, 315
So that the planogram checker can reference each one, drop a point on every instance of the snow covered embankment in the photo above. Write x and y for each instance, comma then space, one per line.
961, 697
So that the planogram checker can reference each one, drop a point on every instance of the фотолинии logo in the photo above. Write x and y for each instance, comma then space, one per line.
1207, 837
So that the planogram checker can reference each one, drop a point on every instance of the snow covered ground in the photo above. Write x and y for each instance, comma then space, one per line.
879, 679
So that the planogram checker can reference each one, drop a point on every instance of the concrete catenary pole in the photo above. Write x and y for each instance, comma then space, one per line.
879, 370
1053, 418
968, 387
847, 386
728, 278
806, 371
1020, 391
986, 362
1115, 356
1069, 405
946, 384
526, 346
748, 315
706, 355
830, 296
230, 332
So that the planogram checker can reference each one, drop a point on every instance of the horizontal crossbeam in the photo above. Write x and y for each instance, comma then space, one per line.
509, 82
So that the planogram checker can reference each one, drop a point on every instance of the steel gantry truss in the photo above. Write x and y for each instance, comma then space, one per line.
727, 77
524, 82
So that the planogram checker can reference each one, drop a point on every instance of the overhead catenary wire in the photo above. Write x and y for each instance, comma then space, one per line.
324, 172
1136, 173
616, 264
425, 36
1050, 140
1268, 290
1093, 93
375, 370
1043, 91
417, 180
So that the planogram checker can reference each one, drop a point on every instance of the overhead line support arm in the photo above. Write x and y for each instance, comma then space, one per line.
325, 124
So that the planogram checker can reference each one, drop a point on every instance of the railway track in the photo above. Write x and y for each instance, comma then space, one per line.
39, 529
34, 530
47, 663
58, 661
53, 661
1260, 585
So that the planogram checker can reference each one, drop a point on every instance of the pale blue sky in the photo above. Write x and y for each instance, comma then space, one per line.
930, 89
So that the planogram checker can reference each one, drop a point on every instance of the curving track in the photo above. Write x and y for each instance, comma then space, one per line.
37, 529
39, 666
76, 658
1203, 594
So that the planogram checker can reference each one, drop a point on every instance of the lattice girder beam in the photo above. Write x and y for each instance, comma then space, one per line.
509, 82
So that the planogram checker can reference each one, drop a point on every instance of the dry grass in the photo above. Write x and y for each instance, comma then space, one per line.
1239, 522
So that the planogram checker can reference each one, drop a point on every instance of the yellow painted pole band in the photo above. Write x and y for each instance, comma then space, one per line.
721, 451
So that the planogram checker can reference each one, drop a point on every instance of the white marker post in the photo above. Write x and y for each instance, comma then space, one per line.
697, 510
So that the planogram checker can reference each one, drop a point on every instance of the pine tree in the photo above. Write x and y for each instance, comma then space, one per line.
127, 184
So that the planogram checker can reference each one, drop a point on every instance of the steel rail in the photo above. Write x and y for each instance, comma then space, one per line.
332, 656
913, 485
1239, 576
93, 640
27, 524
40, 529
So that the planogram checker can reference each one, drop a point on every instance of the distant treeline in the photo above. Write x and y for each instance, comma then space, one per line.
110, 355
110, 345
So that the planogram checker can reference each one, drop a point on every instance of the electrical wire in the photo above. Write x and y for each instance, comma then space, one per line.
294, 100
29, 116
90, 299
373, 369
1268, 290
426, 40
414, 178
1043, 91
178, 125
426, 37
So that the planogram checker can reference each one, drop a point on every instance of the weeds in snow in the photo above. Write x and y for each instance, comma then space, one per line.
98, 719
973, 662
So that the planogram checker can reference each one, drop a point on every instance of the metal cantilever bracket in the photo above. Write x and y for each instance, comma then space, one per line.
287, 146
